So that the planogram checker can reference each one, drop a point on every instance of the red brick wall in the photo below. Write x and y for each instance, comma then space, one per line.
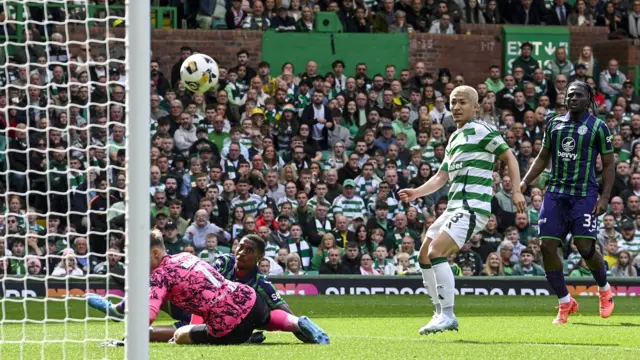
627, 52
470, 54
220, 44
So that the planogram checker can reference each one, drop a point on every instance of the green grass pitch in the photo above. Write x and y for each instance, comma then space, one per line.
361, 327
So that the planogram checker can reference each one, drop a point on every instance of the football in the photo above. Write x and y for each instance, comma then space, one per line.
199, 73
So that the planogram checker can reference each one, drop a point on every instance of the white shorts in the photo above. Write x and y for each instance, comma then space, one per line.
459, 224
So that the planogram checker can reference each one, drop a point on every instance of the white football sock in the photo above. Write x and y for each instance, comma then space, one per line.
564, 299
445, 287
604, 288
429, 281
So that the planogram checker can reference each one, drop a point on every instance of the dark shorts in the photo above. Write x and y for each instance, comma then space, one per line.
258, 317
563, 214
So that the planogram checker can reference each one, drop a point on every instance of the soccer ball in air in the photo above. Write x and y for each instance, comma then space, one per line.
199, 73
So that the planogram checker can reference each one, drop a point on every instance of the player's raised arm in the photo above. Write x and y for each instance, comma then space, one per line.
431, 186
514, 174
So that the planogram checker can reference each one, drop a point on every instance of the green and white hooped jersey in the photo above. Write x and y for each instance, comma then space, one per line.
348, 207
252, 205
469, 159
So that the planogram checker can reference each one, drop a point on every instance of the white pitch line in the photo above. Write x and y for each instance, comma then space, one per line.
390, 338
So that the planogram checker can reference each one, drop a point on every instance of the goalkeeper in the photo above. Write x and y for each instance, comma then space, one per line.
241, 268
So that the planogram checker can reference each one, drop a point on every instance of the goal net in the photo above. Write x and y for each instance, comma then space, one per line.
65, 161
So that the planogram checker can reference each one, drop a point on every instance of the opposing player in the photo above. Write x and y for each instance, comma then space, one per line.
571, 203
230, 311
468, 165
241, 268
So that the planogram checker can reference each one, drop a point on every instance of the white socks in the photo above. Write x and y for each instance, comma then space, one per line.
429, 281
605, 288
564, 299
445, 286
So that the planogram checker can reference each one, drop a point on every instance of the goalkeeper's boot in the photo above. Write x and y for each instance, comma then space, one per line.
564, 310
257, 338
445, 323
312, 331
428, 329
105, 306
606, 303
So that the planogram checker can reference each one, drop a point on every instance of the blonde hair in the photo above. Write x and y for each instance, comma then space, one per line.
324, 237
284, 171
469, 91
487, 267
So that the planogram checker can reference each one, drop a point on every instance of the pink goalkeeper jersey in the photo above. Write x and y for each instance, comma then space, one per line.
194, 285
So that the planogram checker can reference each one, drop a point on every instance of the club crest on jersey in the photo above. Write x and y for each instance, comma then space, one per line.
568, 145
582, 130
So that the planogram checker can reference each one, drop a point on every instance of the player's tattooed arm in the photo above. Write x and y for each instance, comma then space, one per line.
538, 166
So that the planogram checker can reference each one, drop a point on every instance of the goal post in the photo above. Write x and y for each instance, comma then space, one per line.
74, 157
138, 40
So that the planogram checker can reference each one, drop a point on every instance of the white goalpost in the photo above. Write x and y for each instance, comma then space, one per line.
138, 39
74, 192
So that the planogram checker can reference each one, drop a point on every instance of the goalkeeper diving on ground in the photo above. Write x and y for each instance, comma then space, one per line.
210, 308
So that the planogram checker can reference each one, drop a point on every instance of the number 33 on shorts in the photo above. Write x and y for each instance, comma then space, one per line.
460, 224
590, 222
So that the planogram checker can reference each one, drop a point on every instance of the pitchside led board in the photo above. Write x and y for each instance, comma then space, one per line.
545, 41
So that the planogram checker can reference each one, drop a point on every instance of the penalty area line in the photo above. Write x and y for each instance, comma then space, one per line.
462, 342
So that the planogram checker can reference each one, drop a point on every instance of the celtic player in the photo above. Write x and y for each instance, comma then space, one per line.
571, 203
468, 165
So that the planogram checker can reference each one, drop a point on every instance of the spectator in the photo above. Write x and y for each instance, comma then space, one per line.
472, 13
400, 24
581, 15
68, 265
293, 265
561, 66
197, 232
492, 13
366, 265
526, 266
443, 25
305, 23
384, 18
611, 81
623, 267
283, 22
235, 15
333, 266
506, 254
632, 21
525, 13
527, 62
559, 13
258, 20
493, 266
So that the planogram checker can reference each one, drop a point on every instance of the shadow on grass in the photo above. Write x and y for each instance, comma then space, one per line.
607, 325
475, 342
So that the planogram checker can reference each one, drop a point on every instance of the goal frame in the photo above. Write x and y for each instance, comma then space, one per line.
138, 107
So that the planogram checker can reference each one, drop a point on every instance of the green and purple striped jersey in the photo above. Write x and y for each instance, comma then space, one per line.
226, 265
574, 147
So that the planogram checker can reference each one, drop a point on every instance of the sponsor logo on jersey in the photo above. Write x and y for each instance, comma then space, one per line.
568, 145
455, 166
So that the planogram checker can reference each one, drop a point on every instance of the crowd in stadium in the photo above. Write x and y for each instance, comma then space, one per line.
403, 16
310, 162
